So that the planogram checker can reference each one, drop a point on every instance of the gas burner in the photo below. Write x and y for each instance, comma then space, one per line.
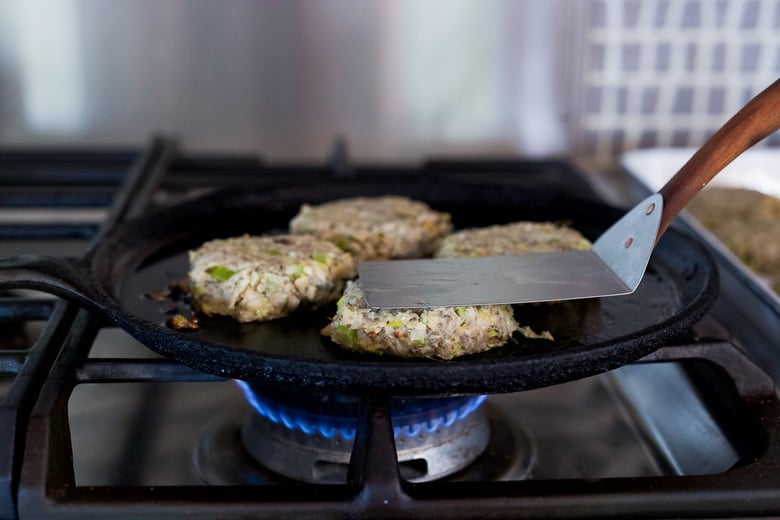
453, 438
309, 437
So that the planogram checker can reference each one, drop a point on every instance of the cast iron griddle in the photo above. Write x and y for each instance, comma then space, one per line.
148, 254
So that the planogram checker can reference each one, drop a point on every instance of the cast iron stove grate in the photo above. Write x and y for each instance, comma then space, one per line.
41, 484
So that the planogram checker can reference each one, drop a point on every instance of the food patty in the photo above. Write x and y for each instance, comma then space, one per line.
448, 332
258, 278
439, 333
512, 239
747, 222
375, 228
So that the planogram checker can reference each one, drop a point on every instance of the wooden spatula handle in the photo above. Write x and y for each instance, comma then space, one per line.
755, 121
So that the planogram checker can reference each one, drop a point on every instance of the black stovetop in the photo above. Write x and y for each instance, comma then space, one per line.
94, 424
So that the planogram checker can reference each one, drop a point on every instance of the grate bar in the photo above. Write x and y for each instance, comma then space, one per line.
17, 414
116, 370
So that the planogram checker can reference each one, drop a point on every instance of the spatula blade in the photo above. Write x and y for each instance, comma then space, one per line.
451, 282
613, 267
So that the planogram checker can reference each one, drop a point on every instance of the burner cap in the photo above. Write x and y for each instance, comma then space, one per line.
309, 437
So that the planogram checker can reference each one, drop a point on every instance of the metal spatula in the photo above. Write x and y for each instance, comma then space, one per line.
614, 266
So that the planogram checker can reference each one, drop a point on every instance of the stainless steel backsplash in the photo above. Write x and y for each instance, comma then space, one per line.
396, 79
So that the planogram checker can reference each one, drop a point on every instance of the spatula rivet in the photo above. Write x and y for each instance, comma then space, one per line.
650, 208
628, 242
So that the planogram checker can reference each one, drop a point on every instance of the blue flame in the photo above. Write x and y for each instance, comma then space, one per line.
409, 417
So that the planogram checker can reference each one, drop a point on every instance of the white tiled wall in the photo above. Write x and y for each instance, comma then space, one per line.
670, 72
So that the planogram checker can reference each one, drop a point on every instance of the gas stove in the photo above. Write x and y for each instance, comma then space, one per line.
95, 424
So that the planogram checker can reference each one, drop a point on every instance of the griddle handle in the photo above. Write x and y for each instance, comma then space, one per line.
755, 121
65, 277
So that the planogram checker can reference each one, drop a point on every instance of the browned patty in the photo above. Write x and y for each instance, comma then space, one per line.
448, 332
258, 278
512, 239
375, 228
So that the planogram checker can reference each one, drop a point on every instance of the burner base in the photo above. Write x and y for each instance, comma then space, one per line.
220, 457
314, 458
